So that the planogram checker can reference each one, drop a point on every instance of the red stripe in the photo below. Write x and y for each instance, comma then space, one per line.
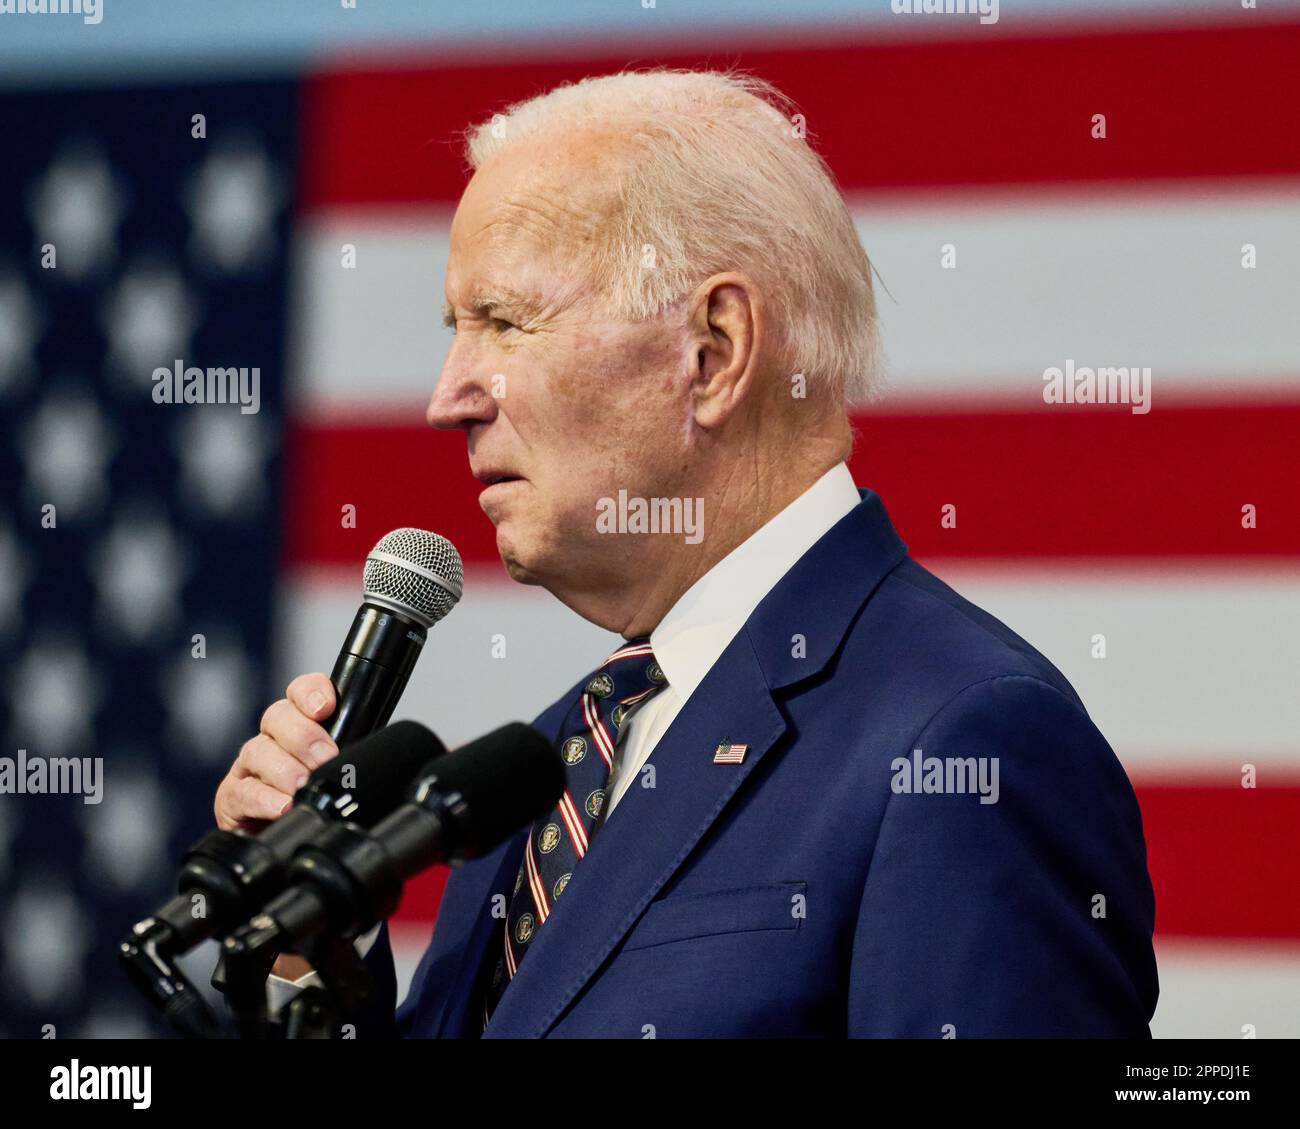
1082, 482
1063, 482
573, 821
636, 697
994, 109
421, 896
535, 884
596, 728
1223, 860
631, 652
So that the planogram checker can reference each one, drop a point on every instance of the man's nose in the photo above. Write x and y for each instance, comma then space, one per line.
460, 398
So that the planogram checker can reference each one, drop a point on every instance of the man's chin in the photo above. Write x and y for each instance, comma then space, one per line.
509, 553
518, 573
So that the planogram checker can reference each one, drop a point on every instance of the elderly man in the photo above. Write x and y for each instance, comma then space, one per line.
816, 793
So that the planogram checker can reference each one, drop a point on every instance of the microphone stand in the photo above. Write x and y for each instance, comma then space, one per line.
146, 958
243, 972
317, 1012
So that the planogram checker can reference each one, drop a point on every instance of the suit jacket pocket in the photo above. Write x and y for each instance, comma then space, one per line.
749, 909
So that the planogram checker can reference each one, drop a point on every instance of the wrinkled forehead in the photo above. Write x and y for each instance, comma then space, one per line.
528, 223
537, 199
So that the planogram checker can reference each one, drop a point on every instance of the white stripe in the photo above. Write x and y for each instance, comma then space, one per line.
1213, 990
573, 821
511, 965
597, 729
535, 884
1149, 278
1200, 671
1146, 279
1201, 663
636, 697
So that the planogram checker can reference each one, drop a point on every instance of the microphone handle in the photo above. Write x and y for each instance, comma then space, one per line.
371, 672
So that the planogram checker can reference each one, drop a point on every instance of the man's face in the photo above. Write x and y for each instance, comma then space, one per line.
564, 401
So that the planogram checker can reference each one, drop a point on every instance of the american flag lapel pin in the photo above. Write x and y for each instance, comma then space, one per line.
727, 753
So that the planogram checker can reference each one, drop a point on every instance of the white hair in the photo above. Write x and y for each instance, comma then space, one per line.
723, 179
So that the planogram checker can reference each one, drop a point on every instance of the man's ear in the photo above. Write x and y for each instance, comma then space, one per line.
726, 326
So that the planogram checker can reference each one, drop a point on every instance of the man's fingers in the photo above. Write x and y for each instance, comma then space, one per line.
313, 694
247, 800
272, 766
263, 759
298, 735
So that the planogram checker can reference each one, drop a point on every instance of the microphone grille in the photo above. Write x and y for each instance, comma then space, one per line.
415, 571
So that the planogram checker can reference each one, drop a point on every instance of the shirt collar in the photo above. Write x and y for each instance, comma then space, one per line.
704, 620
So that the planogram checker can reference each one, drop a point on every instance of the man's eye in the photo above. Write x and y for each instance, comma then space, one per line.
501, 325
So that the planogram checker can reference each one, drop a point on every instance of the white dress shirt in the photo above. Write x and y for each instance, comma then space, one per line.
693, 635
705, 619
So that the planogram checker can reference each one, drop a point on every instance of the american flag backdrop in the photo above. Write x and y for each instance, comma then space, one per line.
1153, 556
138, 540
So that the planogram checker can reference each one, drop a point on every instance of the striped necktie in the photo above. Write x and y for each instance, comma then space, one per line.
559, 840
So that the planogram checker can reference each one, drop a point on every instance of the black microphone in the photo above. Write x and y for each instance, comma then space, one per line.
228, 875
412, 579
465, 804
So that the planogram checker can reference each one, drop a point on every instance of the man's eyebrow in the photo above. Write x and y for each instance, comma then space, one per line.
502, 300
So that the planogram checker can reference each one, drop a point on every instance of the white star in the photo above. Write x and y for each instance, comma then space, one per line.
20, 329
66, 448
138, 569
46, 935
221, 454
126, 834
232, 202
53, 696
77, 207
208, 700
149, 320
13, 580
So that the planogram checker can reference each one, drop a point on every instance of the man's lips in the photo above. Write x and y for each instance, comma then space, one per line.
490, 477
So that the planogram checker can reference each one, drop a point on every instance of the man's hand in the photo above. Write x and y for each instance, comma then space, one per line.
272, 766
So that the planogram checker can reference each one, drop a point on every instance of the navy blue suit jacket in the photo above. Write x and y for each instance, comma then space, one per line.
798, 894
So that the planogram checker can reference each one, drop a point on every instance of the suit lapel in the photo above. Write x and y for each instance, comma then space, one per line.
456, 1022
645, 840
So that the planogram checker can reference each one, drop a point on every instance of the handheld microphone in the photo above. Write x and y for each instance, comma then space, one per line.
464, 805
412, 578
